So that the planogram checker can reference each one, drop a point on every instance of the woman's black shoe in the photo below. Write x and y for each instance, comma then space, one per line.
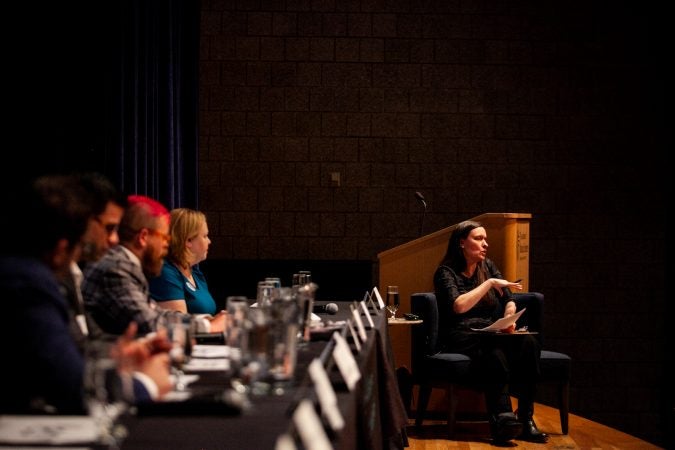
531, 433
505, 427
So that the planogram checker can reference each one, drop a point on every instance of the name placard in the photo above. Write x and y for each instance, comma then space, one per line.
377, 295
366, 313
355, 337
359, 324
345, 361
326, 394
309, 427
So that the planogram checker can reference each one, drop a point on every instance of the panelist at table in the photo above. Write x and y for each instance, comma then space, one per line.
116, 289
182, 286
46, 368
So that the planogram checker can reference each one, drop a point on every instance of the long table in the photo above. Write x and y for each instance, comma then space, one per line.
374, 413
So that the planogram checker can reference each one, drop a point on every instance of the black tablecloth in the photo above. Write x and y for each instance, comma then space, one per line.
374, 413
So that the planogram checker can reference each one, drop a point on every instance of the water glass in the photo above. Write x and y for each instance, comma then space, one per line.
255, 370
304, 297
236, 335
301, 278
178, 333
285, 317
298, 279
107, 393
267, 292
276, 281
393, 301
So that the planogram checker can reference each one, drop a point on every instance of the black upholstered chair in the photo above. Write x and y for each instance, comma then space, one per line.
451, 371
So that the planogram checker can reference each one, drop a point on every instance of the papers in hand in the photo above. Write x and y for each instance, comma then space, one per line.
502, 323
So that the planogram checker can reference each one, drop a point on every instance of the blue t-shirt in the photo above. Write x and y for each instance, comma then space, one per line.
173, 285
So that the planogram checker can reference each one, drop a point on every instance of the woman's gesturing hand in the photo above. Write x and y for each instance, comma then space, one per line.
499, 284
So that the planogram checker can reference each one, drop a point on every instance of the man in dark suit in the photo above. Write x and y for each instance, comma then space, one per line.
44, 369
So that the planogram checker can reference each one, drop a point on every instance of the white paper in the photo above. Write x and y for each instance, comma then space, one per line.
502, 323
185, 378
313, 317
210, 351
55, 430
345, 361
206, 364
177, 396
309, 427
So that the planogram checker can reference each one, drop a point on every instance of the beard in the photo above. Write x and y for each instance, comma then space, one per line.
152, 262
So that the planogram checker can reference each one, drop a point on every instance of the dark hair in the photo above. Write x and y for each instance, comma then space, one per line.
101, 191
454, 256
46, 210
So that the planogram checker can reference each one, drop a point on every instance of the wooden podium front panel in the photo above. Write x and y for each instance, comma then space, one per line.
509, 244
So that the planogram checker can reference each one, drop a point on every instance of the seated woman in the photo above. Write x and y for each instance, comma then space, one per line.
182, 285
472, 293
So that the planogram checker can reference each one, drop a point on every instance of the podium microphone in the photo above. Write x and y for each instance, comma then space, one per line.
329, 308
420, 197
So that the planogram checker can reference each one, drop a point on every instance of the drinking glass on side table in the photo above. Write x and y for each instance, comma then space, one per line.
393, 301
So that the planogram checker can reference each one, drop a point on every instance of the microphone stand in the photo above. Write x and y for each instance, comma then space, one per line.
420, 197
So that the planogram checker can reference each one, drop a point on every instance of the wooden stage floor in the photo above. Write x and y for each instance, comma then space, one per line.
583, 434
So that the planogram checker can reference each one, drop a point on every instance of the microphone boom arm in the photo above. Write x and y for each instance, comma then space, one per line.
420, 197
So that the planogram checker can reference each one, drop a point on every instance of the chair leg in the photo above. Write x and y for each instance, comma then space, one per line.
452, 400
422, 401
564, 402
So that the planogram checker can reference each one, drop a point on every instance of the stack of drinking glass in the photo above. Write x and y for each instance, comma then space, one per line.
264, 337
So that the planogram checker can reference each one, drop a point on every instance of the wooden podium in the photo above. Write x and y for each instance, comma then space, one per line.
411, 266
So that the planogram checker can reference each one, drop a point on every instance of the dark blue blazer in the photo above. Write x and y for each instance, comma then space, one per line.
42, 367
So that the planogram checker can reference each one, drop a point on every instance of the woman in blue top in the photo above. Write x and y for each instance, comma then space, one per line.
182, 285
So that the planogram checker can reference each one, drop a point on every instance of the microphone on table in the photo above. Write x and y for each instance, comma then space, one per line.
329, 308
420, 197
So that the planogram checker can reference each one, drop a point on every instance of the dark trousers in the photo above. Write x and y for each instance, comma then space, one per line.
504, 365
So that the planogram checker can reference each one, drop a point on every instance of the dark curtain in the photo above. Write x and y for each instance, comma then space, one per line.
109, 86
151, 144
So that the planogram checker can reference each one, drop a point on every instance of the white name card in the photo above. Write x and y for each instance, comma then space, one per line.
364, 308
355, 337
326, 394
359, 324
380, 302
345, 361
285, 442
309, 427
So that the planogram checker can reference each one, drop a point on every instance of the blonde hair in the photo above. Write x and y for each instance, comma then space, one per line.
185, 224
